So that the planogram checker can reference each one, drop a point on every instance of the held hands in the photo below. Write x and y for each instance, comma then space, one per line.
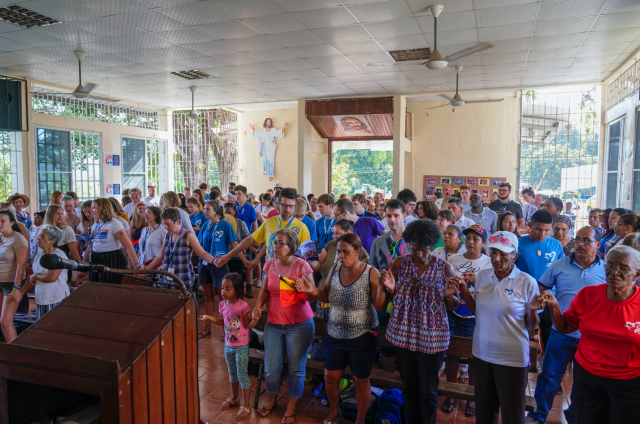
305, 286
387, 280
537, 303
548, 300
16, 295
256, 313
219, 262
451, 287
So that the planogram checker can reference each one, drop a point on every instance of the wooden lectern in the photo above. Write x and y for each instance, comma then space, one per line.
132, 348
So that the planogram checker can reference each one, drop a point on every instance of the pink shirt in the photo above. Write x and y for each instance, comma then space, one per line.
236, 332
299, 311
273, 212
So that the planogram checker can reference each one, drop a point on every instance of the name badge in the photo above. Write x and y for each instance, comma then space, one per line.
171, 270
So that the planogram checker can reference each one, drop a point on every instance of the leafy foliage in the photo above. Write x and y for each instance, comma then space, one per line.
357, 170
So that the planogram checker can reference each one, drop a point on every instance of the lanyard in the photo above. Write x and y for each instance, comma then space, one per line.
147, 235
330, 225
395, 252
290, 221
171, 248
502, 209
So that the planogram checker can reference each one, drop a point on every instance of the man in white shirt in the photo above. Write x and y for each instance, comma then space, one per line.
465, 193
136, 195
455, 206
313, 202
187, 192
151, 199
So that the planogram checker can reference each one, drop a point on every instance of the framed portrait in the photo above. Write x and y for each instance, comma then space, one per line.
485, 193
438, 189
472, 181
445, 180
431, 181
474, 190
495, 191
355, 125
456, 192
447, 191
458, 181
429, 191
495, 182
483, 182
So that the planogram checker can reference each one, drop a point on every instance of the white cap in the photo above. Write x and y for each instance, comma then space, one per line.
503, 240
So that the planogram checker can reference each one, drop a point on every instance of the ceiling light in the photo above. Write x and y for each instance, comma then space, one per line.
191, 75
24, 17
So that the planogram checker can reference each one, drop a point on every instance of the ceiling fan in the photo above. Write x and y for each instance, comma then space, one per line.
193, 115
456, 100
436, 61
81, 92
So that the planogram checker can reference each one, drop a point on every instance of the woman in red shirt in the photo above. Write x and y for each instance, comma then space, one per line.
606, 374
289, 323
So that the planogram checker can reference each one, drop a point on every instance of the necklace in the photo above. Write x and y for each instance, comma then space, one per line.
538, 250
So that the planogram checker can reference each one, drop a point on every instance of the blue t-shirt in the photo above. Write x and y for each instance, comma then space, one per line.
311, 226
568, 278
529, 261
215, 238
247, 213
198, 220
604, 240
206, 198
324, 231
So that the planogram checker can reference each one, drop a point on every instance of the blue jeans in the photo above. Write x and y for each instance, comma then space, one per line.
295, 340
557, 354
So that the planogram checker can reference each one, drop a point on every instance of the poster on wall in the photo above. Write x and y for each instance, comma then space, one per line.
458, 181
483, 182
267, 144
472, 181
354, 125
485, 193
111, 159
495, 182
431, 181
112, 189
447, 191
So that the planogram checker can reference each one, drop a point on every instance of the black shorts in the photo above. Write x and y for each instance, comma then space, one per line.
359, 353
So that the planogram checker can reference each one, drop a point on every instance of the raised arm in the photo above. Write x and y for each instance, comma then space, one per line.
452, 283
192, 242
466, 295
243, 245
378, 292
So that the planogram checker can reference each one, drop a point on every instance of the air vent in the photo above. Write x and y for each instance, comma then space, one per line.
192, 75
411, 54
24, 17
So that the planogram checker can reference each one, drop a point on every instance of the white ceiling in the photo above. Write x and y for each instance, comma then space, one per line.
272, 51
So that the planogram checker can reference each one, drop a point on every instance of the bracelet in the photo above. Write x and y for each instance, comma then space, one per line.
17, 287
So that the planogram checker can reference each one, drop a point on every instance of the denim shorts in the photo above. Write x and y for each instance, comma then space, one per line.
359, 353
461, 327
6, 288
208, 274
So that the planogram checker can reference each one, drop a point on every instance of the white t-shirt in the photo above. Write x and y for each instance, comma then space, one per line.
125, 224
50, 293
78, 211
128, 209
464, 222
438, 203
150, 243
468, 268
103, 236
407, 220
68, 236
442, 254
150, 201
185, 221
316, 214
500, 336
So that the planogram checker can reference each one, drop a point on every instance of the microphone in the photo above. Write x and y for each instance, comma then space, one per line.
52, 261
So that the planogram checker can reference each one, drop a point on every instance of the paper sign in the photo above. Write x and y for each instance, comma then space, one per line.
112, 189
308, 251
111, 159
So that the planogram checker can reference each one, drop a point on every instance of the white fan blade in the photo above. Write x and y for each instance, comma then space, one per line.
484, 101
466, 52
447, 98
436, 107
406, 62
87, 88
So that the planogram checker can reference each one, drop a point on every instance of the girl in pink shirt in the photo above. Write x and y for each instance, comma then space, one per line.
237, 320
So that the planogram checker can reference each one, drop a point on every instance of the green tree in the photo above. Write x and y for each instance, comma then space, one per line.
370, 170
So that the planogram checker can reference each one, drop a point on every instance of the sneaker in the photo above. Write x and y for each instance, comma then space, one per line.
531, 420
560, 390
259, 284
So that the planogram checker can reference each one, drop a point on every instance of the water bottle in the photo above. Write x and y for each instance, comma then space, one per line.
324, 401
318, 389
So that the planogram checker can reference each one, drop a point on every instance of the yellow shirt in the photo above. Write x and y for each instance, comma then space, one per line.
266, 232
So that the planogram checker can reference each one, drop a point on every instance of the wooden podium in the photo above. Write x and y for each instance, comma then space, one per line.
132, 349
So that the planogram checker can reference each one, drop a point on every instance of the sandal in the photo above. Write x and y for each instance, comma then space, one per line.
470, 411
448, 405
228, 404
242, 414
285, 419
464, 378
264, 411
205, 333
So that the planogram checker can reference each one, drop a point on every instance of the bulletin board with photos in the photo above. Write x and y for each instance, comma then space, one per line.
450, 185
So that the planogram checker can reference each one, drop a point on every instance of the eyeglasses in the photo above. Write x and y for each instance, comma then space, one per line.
502, 191
282, 205
586, 241
279, 243
314, 203
622, 269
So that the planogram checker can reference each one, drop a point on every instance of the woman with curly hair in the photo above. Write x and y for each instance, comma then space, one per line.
427, 210
421, 289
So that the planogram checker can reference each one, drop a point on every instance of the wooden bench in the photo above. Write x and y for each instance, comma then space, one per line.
458, 346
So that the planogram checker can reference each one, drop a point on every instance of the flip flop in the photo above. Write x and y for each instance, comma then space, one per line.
448, 406
470, 411
464, 378
287, 417
264, 412
239, 416
228, 404
203, 334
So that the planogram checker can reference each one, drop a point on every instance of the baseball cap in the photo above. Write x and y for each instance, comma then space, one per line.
503, 240
278, 185
478, 229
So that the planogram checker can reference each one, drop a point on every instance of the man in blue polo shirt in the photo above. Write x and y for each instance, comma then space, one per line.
568, 276
538, 250
246, 212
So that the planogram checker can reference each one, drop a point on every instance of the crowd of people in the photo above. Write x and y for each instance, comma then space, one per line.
458, 266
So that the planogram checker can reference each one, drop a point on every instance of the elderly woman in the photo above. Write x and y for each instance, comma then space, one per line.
505, 303
606, 373
626, 224
177, 249
453, 245
422, 291
351, 338
15, 252
562, 226
51, 285
289, 323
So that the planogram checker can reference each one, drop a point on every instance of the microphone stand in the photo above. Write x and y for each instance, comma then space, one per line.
183, 289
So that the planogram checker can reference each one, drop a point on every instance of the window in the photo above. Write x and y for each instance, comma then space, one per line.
67, 161
636, 168
142, 163
612, 176
358, 166
10, 158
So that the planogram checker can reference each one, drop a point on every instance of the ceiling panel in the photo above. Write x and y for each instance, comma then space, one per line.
343, 34
391, 29
296, 38
64, 11
381, 11
506, 15
505, 32
402, 43
319, 50
197, 13
324, 18
274, 24
227, 30
569, 9
242, 9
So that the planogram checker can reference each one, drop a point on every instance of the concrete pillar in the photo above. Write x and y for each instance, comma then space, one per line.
400, 143
304, 150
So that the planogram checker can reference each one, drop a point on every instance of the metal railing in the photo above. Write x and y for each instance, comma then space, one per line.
623, 86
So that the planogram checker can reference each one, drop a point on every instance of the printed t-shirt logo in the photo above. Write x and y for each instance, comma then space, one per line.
633, 326
512, 294
101, 234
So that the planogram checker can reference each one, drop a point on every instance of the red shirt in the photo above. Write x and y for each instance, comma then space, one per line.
299, 311
273, 212
610, 342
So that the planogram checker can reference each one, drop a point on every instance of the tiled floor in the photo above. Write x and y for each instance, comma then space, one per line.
214, 389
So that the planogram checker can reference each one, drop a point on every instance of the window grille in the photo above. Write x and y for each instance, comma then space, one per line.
51, 102
623, 86
141, 163
206, 149
10, 162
